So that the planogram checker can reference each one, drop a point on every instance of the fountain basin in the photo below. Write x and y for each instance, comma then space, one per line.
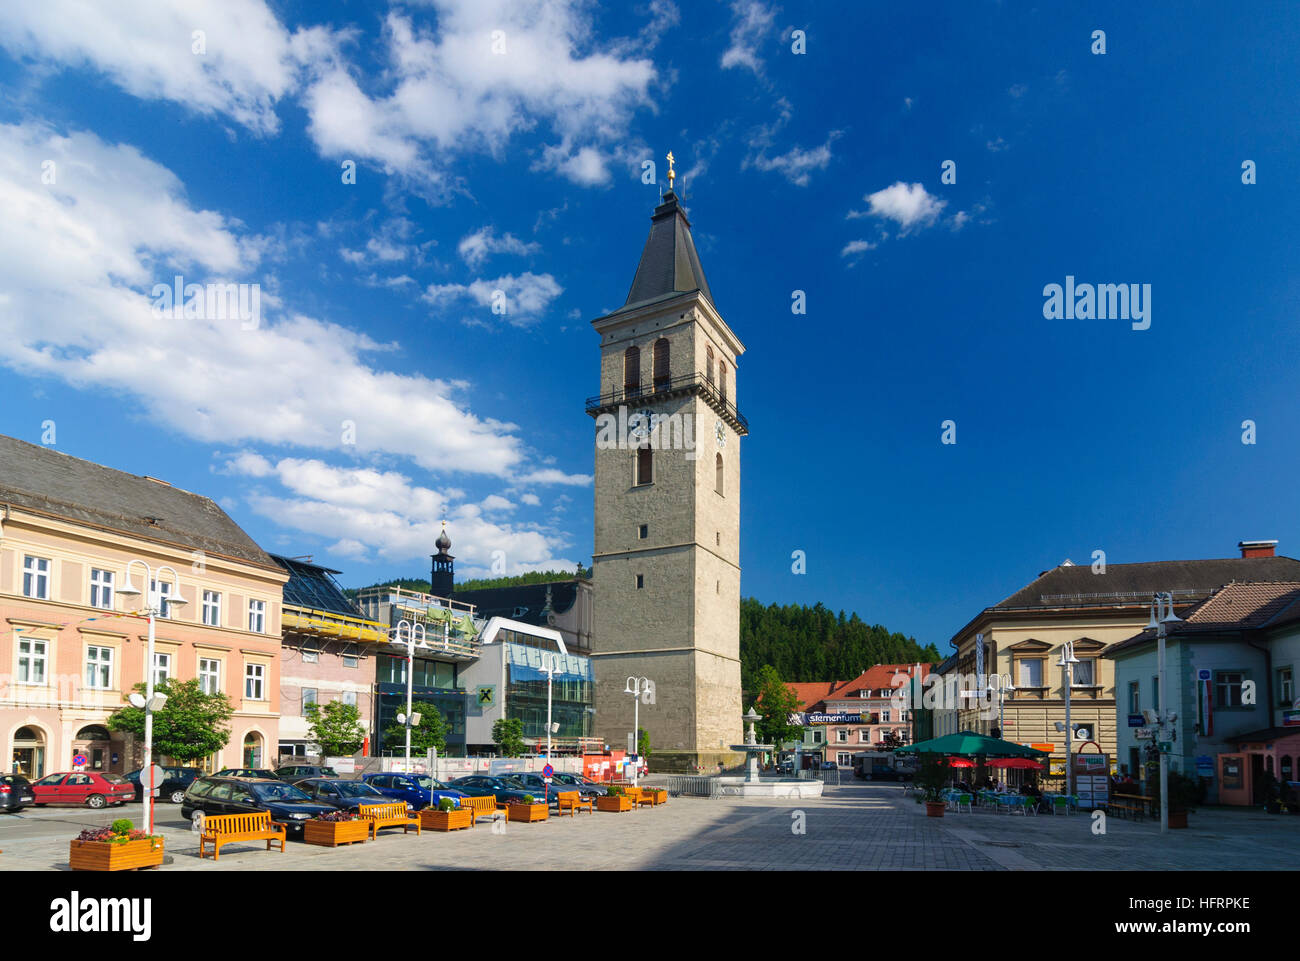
771, 787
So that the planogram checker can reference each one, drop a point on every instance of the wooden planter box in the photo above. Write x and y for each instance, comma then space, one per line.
934, 809
331, 834
527, 812
658, 796
620, 803
452, 820
103, 856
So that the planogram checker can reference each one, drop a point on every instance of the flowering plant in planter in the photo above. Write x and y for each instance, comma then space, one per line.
116, 848
337, 816
448, 804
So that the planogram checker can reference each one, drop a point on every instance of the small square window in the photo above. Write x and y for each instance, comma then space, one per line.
349, 660
310, 657
640, 581
643, 532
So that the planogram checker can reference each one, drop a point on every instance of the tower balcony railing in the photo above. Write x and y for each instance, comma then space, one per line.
664, 388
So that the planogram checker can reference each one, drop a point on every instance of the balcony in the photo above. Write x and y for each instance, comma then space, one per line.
666, 389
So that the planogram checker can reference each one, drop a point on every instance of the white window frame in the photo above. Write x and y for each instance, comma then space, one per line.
311, 657
842, 736
884, 716
204, 675
843, 758
315, 698
350, 697
101, 588
36, 577
257, 616
1074, 673
99, 668
355, 661
33, 662
254, 680
162, 667
864, 736
162, 590
212, 608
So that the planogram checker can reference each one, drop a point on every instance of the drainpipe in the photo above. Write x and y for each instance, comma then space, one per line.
1268, 677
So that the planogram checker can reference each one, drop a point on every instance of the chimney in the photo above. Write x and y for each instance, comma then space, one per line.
1257, 548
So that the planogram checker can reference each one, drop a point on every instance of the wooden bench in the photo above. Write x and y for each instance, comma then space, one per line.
1130, 804
639, 797
480, 807
392, 815
224, 828
573, 802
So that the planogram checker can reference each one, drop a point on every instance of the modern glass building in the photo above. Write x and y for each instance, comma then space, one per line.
433, 682
572, 699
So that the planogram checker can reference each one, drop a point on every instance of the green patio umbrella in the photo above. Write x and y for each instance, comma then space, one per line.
970, 744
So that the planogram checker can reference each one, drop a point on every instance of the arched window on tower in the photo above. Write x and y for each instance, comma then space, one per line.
717, 470
722, 378
661, 364
645, 465
632, 371
708, 364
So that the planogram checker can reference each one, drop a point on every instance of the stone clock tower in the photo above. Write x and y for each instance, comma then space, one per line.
666, 564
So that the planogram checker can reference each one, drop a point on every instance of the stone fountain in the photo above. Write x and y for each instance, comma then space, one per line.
753, 784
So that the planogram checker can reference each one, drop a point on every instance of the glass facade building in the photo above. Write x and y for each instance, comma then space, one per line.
572, 697
434, 682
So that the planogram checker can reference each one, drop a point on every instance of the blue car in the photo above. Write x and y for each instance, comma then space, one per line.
417, 790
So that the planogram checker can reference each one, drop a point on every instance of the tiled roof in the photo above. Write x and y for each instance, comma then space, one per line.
812, 693
1235, 607
1075, 585
82, 492
880, 677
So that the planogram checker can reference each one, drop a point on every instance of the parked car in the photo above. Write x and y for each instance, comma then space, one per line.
173, 786
342, 794
485, 785
90, 788
583, 785
240, 795
536, 785
261, 774
417, 790
298, 772
15, 792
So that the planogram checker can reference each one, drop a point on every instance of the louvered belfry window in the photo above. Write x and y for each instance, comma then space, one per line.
717, 468
708, 364
661, 363
644, 465
722, 378
632, 371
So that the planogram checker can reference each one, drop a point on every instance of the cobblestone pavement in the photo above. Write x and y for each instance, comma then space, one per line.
853, 827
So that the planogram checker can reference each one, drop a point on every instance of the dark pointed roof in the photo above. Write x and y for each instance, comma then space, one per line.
669, 263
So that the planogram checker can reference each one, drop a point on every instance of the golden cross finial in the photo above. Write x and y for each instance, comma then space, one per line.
671, 173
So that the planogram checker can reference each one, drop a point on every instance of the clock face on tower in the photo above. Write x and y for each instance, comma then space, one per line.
720, 432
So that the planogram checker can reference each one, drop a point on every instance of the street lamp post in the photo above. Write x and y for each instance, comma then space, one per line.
412, 641
636, 686
1066, 663
550, 669
1162, 613
153, 606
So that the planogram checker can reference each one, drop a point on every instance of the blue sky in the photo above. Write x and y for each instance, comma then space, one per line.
521, 171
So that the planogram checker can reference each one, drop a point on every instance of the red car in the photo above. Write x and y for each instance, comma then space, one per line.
83, 787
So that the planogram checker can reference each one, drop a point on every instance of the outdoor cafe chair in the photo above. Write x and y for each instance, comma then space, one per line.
966, 800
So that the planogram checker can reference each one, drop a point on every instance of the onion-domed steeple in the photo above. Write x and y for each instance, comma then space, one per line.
442, 579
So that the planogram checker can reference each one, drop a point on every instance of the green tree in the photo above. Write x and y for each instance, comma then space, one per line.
431, 732
642, 742
508, 735
336, 728
776, 701
191, 726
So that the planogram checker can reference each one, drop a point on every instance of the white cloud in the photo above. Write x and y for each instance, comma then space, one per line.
550, 475
477, 247
908, 206
532, 500
796, 164
77, 260
523, 298
447, 91
250, 62
857, 247
751, 22
370, 514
